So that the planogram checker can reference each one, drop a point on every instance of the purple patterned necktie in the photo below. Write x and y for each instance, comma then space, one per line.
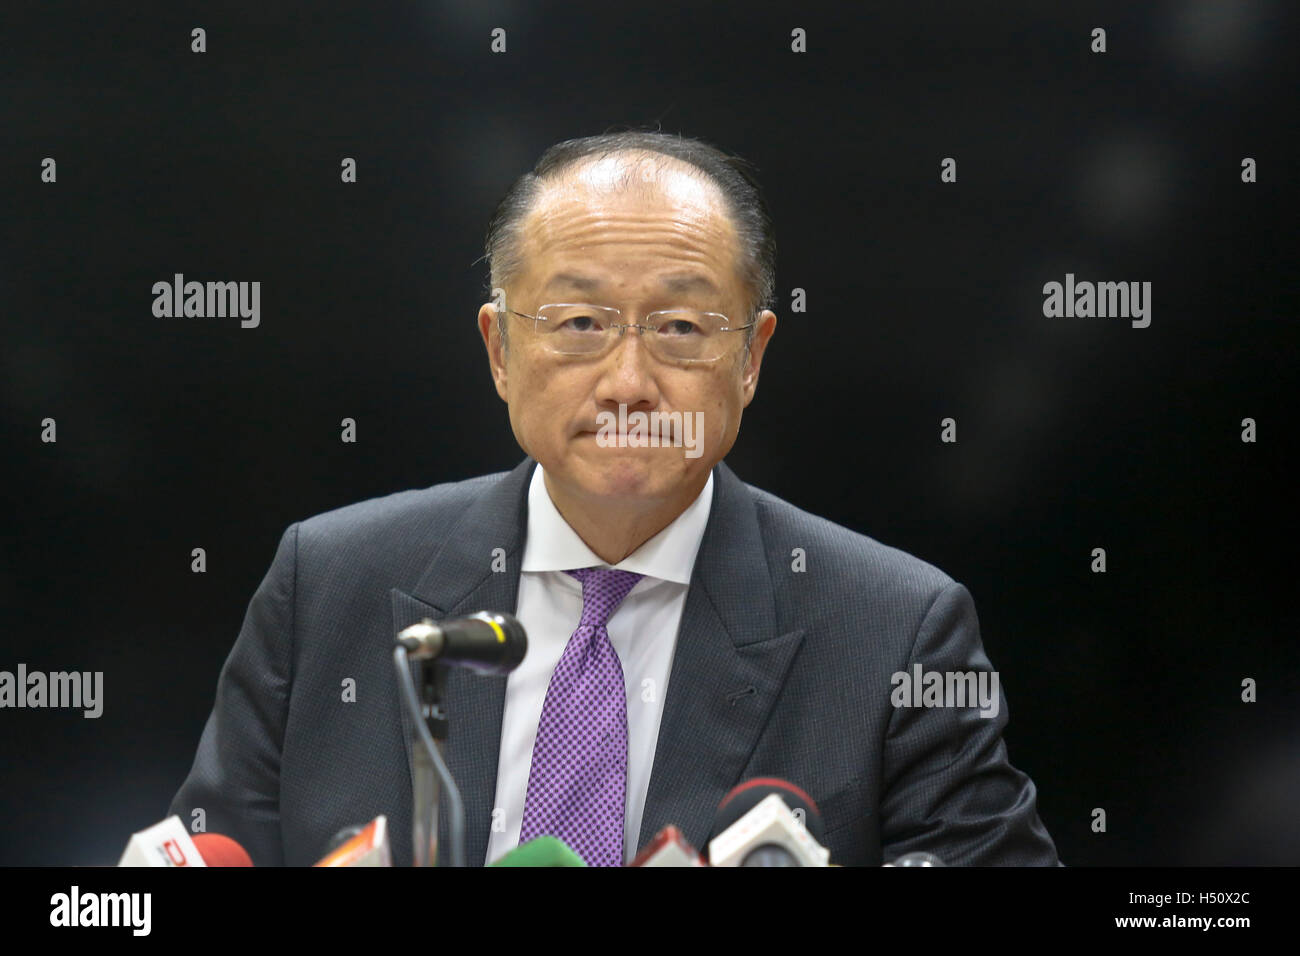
577, 786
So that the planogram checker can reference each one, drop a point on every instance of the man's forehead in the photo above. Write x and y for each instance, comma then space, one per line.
638, 199
650, 185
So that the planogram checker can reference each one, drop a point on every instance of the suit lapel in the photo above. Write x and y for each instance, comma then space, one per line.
458, 581
728, 669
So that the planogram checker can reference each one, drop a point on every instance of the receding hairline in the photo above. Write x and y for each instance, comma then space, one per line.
631, 161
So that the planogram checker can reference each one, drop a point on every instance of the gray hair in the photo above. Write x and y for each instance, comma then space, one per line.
735, 178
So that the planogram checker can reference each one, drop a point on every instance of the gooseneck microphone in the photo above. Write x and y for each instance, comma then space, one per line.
489, 642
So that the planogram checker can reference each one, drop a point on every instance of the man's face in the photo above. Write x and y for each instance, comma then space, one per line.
665, 242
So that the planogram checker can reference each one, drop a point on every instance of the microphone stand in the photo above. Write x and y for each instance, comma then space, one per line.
429, 773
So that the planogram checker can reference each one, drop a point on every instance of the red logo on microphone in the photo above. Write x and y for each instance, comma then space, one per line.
175, 855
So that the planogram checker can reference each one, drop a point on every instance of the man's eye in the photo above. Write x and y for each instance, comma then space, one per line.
580, 323
678, 327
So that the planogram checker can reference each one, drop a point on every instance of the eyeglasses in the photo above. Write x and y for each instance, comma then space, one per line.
675, 335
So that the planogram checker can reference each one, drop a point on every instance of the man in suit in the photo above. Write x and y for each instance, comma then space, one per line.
686, 630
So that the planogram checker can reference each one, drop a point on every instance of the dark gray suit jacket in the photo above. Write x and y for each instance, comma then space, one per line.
777, 672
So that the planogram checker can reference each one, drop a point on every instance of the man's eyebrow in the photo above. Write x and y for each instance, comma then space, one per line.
689, 282
677, 282
582, 283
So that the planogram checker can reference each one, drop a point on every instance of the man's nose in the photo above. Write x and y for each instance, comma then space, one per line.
629, 374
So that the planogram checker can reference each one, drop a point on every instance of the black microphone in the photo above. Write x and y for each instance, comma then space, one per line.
488, 642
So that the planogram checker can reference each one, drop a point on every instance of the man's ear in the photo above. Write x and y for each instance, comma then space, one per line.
490, 329
764, 326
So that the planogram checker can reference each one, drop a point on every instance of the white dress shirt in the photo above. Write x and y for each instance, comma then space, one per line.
643, 631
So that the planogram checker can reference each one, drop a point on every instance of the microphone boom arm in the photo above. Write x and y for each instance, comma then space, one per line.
429, 770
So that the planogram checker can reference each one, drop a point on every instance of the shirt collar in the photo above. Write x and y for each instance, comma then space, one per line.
552, 545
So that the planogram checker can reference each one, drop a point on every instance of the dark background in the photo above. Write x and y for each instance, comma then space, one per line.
925, 301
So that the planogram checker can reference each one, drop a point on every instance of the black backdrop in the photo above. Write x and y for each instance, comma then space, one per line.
924, 301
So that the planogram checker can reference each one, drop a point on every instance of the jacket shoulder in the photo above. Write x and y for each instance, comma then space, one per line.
436, 502
404, 525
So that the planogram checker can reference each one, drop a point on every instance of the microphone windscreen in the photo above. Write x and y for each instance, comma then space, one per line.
749, 794
218, 850
542, 851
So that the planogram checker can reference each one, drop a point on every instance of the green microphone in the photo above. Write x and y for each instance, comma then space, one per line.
542, 851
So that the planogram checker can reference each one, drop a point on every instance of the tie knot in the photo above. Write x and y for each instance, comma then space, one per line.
603, 590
